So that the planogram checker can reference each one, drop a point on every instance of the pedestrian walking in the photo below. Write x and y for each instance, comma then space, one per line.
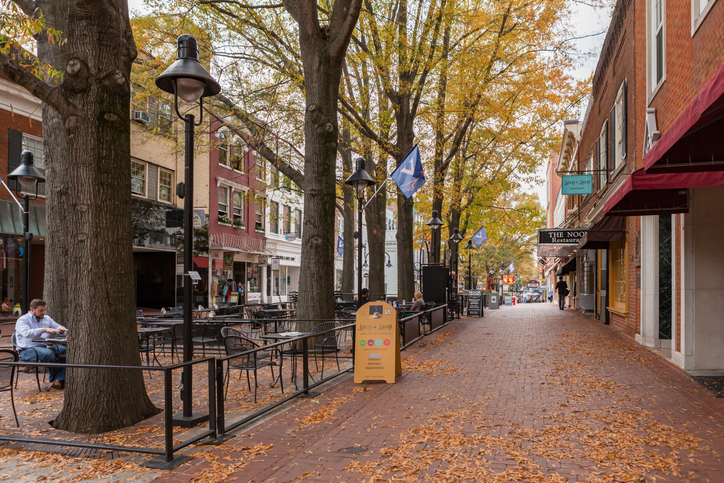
562, 288
550, 295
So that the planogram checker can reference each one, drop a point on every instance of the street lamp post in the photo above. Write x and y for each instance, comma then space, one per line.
27, 176
455, 239
188, 79
360, 180
435, 223
470, 247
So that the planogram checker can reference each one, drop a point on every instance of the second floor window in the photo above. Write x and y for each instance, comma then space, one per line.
287, 219
602, 155
239, 206
223, 201
298, 223
164, 185
259, 213
274, 217
138, 178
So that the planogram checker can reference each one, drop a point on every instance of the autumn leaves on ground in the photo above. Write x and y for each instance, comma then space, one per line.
525, 394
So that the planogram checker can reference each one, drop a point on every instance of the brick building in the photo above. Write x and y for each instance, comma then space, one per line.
651, 263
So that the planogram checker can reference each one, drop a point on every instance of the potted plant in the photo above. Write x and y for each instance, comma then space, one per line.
238, 223
224, 220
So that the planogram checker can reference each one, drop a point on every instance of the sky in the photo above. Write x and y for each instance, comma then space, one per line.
590, 25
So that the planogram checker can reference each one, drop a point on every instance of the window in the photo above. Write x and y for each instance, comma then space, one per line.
274, 217
699, 10
618, 275
165, 117
259, 212
287, 220
618, 138
602, 155
223, 201
656, 44
275, 177
224, 159
138, 178
298, 223
260, 167
35, 146
164, 185
280, 281
238, 205
237, 159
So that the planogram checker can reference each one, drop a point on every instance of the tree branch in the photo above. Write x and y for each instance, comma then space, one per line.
344, 18
13, 69
242, 5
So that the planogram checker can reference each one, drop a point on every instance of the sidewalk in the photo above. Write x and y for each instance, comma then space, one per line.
528, 393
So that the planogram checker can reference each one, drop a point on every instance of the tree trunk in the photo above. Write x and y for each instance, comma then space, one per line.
89, 283
376, 218
405, 220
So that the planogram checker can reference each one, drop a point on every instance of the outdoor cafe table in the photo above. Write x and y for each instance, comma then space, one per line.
279, 312
53, 340
145, 334
293, 351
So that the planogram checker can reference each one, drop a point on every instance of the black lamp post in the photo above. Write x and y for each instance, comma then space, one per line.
470, 247
455, 239
27, 176
435, 223
186, 78
360, 180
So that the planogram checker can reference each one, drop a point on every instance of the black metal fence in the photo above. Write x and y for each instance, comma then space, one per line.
411, 330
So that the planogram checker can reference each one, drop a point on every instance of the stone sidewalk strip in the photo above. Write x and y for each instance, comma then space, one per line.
527, 393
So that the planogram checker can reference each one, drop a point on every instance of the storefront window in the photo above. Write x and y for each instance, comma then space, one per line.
587, 277
253, 278
280, 281
618, 274
11, 278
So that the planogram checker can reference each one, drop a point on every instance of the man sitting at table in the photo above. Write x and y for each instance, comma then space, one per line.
36, 325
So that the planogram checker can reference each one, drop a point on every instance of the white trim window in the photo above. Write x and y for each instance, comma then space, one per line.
602, 155
274, 217
223, 201
238, 205
287, 219
657, 44
224, 158
165, 183
259, 214
139, 175
237, 158
298, 223
699, 10
619, 135
35, 146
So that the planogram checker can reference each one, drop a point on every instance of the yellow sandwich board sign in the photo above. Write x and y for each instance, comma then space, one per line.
377, 343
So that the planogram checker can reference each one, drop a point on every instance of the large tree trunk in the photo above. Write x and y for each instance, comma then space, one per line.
405, 220
89, 284
376, 218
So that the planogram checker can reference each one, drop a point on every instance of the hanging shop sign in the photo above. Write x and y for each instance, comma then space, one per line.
558, 242
577, 184
377, 343
228, 261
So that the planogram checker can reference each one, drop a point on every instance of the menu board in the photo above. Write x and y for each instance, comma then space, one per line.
377, 343
475, 304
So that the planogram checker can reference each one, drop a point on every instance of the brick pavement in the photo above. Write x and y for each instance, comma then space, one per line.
529, 393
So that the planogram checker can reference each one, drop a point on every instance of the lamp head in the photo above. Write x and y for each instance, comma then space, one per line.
389, 264
360, 179
187, 77
470, 245
456, 238
435, 222
26, 174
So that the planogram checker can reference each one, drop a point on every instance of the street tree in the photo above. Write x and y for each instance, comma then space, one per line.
81, 73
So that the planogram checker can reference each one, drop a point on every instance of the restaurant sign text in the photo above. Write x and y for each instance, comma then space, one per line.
560, 236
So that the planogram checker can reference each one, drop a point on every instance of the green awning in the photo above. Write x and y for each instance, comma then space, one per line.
11, 218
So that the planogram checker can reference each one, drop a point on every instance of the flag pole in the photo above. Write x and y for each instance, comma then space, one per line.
382, 185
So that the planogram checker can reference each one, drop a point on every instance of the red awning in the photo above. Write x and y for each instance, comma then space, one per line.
201, 262
693, 142
658, 194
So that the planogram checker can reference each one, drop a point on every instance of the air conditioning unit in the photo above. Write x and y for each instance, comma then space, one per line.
139, 116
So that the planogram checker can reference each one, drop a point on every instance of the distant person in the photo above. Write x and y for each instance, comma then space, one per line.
36, 325
562, 289
364, 296
418, 304
550, 295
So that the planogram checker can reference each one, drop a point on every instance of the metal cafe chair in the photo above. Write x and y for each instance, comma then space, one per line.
7, 373
325, 344
37, 358
234, 344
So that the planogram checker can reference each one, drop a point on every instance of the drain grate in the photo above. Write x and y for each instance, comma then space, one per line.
713, 384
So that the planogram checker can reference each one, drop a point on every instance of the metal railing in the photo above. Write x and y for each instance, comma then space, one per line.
411, 326
221, 426
169, 447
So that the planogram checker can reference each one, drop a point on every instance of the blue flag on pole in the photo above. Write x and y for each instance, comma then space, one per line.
408, 175
340, 246
511, 267
480, 237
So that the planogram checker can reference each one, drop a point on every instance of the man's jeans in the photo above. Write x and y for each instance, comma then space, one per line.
56, 354
561, 301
